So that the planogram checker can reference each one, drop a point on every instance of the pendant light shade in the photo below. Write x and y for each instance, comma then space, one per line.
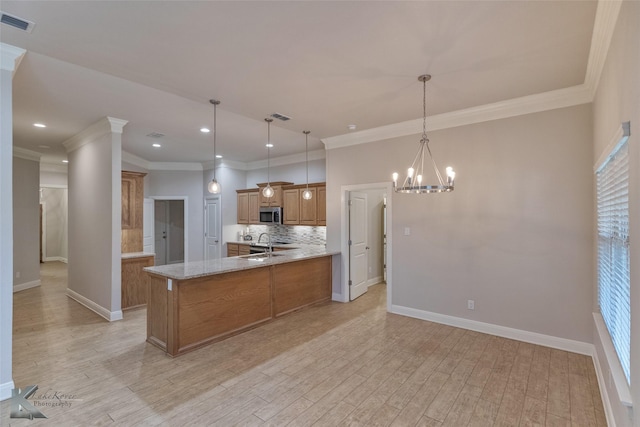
306, 194
268, 191
214, 185
415, 173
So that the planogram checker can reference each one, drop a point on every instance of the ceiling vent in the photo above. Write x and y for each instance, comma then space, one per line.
14, 21
280, 117
155, 135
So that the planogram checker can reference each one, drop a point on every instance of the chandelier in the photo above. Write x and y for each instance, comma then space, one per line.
415, 173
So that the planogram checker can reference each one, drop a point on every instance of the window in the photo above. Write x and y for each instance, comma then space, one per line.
612, 187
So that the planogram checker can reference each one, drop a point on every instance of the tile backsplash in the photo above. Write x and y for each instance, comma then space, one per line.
291, 234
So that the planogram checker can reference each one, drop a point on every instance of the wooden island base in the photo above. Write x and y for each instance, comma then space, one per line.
183, 315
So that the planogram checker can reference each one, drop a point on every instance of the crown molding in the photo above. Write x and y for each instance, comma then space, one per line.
560, 98
174, 166
46, 166
100, 128
10, 57
135, 160
287, 160
223, 163
603, 28
23, 153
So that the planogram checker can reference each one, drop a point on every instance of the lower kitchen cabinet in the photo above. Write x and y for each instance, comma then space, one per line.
135, 283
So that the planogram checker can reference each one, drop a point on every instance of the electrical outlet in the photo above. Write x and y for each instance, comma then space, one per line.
407, 231
17, 274
471, 304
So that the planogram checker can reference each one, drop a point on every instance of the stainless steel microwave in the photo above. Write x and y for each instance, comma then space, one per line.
270, 215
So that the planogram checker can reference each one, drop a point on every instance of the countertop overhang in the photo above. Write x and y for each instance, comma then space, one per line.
191, 270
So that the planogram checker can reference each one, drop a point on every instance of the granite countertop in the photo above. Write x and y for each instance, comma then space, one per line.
130, 255
191, 270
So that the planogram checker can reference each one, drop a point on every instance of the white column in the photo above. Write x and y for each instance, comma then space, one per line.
94, 209
10, 58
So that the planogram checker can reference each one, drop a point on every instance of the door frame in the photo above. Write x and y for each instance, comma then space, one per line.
185, 200
344, 235
219, 231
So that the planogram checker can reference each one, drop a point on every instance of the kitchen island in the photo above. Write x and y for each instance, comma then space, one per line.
193, 304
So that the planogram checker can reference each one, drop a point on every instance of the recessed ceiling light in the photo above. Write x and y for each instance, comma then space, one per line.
351, 127
268, 145
205, 130
44, 146
156, 145
40, 125
218, 156
65, 161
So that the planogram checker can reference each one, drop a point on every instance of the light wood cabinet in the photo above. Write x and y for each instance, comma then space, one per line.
291, 206
254, 208
243, 208
132, 204
276, 200
321, 206
248, 207
135, 282
236, 249
232, 249
308, 208
298, 211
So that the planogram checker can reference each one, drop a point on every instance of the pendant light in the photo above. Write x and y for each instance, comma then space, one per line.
268, 191
214, 185
306, 194
415, 173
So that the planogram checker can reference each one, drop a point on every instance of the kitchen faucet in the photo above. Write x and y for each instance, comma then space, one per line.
269, 237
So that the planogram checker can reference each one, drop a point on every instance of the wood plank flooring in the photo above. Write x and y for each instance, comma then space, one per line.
330, 365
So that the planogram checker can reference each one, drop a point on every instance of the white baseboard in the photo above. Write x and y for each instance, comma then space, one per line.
604, 394
56, 258
374, 281
501, 331
5, 390
27, 285
100, 310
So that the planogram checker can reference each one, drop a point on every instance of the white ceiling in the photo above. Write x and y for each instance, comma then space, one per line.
327, 64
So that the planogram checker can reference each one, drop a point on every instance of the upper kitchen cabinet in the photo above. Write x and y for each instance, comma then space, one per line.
132, 204
248, 206
321, 207
298, 211
277, 199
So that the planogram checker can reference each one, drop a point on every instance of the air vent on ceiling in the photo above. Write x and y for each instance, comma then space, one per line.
155, 135
16, 22
280, 117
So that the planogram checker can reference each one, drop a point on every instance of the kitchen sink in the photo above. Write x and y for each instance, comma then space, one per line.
259, 257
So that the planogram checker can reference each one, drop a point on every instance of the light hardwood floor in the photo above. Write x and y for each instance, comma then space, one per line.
329, 365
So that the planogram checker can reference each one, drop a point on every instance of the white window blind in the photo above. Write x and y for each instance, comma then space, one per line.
612, 182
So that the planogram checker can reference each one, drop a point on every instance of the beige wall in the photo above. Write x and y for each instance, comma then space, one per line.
515, 236
26, 222
618, 100
55, 202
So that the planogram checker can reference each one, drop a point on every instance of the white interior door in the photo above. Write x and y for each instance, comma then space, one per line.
148, 236
212, 228
358, 247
